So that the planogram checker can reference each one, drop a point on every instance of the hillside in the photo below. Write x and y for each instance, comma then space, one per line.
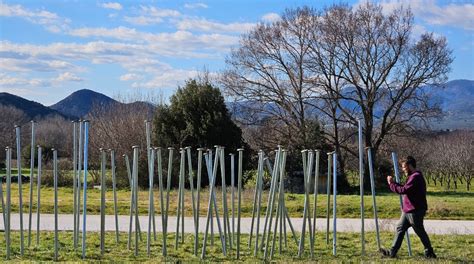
80, 103
33, 110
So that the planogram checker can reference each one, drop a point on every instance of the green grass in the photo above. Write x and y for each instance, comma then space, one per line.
442, 205
449, 248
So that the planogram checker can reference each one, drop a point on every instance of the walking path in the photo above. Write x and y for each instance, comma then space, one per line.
66, 222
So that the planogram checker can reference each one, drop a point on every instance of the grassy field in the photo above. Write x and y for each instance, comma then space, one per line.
442, 205
450, 249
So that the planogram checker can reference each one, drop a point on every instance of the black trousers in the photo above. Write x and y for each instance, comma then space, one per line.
414, 220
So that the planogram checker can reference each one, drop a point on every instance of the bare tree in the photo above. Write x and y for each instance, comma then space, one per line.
268, 72
385, 69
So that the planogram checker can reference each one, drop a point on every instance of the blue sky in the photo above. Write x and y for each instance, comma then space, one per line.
48, 49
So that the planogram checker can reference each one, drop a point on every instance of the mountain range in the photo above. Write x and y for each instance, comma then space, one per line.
457, 102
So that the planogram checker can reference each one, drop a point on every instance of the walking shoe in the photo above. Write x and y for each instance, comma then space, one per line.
387, 253
429, 253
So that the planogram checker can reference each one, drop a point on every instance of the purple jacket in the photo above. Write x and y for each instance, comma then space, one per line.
414, 193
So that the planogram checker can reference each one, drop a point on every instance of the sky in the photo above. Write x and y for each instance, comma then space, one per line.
49, 49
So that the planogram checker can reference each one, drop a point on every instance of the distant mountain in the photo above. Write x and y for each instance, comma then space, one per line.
456, 98
81, 102
457, 102
33, 110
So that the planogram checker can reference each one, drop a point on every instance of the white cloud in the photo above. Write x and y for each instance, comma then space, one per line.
202, 24
112, 5
150, 15
68, 77
49, 20
271, 17
166, 79
454, 14
130, 77
143, 20
195, 5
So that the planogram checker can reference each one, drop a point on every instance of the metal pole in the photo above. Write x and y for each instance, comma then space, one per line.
270, 202
151, 210
160, 182
372, 187
78, 183
255, 197
316, 178
3, 202
178, 212
198, 201
74, 180
84, 190
361, 177
20, 189
209, 160
102, 200
195, 213
38, 207
259, 190
148, 145
168, 185
232, 196
132, 197
8, 188
135, 193
304, 154
397, 178
55, 173
32, 167
239, 197
334, 207
114, 190
328, 193
224, 199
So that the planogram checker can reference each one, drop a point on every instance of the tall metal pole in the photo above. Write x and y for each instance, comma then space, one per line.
55, 173
224, 199
397, 178
102, 200
259, 191
79, 172
372, 187
38, 193
148, 145
168, 185
74, 181
8, 190
271, 202
160, 183
361, 183
193, 200
328, 193
114, 190
3, 202
84, 186
20, 189
151, 199
135, 193
255, 199
239, 197
198, 200
316, 179
304, 154
181, 181
232, 195
32, 167
334, 207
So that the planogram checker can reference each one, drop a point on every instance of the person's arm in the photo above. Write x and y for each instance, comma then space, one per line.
404, 189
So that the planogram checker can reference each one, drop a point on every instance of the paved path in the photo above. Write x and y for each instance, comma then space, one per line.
343, 224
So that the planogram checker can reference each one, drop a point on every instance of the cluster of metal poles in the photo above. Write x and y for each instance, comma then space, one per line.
264, 240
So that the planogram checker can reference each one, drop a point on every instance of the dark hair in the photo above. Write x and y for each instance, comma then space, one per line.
409, 160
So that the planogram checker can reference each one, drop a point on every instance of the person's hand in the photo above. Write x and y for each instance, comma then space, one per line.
389, 179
